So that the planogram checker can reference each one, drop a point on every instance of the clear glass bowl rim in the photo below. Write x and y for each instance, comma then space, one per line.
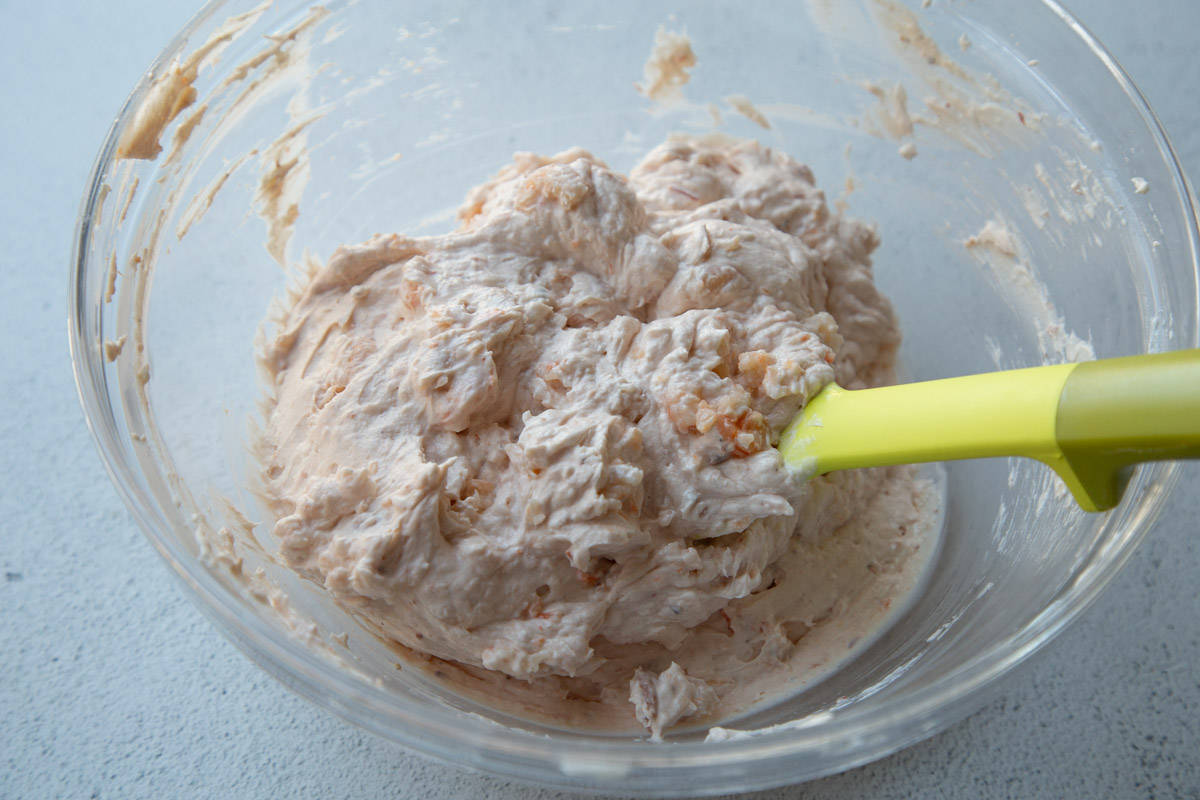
846, 738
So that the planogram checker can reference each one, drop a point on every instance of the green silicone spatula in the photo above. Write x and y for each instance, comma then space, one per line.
1089, 422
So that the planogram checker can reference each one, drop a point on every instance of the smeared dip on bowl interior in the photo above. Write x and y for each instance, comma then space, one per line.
540, 448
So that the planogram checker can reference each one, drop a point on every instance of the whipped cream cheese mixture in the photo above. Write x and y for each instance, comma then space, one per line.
541, 446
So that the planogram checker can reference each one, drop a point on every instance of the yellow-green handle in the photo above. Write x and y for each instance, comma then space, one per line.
1089, 422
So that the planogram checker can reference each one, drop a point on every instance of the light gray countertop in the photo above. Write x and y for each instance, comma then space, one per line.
114, 686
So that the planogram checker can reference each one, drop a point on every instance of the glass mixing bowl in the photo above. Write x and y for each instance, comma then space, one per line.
379, 115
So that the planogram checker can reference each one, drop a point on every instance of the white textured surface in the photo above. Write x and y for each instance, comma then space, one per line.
115, 686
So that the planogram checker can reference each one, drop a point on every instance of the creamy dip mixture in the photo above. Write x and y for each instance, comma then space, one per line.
540, 446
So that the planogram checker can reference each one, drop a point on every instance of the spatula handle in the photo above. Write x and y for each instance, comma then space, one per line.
1122, 411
